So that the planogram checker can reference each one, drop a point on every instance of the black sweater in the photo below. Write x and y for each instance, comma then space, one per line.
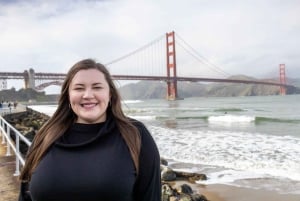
93, 163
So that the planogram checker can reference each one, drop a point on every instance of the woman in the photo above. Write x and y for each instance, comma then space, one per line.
89, 150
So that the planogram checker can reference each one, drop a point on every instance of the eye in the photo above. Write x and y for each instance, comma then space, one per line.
78, 88
97, 87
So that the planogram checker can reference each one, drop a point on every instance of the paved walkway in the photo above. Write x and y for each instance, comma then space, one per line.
9, 186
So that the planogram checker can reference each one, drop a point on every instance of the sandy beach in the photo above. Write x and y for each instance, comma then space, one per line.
222, 192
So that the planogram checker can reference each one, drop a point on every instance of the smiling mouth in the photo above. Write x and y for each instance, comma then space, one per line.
88, 105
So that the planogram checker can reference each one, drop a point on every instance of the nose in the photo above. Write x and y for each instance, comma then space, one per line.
88, 93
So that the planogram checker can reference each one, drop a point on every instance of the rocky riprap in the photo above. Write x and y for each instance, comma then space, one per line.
30, 121
183, 192
27, 123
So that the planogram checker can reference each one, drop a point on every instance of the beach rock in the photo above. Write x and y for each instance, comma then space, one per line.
163, 162
20, 127
186, 194
167, 174
172, 191
184, 188
167, 191
184, 197
198, 197
192, 177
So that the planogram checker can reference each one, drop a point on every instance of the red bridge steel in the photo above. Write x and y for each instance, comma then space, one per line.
59, 77
171, 78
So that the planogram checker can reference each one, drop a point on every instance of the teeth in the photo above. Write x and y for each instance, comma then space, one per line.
89, 105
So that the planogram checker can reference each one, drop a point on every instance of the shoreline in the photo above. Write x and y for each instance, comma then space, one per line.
227, 192
260, 188
224, 192
232, 193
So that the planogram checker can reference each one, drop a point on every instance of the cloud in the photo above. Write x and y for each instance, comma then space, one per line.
251, 37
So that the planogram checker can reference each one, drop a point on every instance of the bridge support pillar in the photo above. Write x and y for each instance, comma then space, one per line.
282, 78
171, 66
29, 79
3, 84
26, 79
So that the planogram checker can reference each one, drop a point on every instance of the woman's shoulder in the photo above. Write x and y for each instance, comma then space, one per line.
148, 146
137, 123
143, 130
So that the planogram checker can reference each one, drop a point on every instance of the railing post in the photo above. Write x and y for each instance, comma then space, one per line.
3, 139
7, 144
7, 130
17, 172
3, 135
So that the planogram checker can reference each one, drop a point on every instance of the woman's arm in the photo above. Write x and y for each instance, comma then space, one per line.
148, 183
24, 194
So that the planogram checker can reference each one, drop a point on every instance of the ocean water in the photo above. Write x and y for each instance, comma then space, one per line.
243, 141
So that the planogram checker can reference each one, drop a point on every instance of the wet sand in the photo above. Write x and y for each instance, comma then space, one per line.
222, 192
231, 193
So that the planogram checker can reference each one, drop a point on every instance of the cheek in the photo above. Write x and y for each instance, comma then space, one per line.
105, 97
73, 98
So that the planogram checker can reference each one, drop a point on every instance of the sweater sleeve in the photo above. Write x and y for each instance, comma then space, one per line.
148, 183
24, 194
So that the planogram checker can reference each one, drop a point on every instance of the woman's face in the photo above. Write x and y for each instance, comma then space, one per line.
89, 96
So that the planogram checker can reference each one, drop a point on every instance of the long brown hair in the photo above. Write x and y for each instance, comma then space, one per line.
64, 117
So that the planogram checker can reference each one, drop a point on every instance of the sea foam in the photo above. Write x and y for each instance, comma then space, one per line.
231, 119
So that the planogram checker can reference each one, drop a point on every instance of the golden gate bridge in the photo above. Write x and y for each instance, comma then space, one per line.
159, 60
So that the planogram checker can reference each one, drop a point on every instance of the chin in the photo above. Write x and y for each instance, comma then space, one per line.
93, 120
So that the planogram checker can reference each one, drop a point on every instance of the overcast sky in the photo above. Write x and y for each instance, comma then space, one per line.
239, 36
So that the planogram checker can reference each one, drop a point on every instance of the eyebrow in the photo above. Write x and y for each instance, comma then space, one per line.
80, 84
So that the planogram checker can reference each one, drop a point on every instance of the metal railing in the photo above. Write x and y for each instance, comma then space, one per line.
7, 132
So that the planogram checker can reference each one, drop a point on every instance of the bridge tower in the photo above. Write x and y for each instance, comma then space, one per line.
282, 78
29, 79
26, 79
3, 84
171, 66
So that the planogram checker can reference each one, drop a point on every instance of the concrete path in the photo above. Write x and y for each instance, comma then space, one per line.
9, 185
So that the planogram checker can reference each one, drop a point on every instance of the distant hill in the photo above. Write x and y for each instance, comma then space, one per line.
157, 90
26, 95
294, 81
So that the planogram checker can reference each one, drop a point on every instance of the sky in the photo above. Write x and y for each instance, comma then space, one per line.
239, 36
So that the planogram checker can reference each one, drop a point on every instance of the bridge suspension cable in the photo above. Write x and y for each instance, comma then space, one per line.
150, 59
135, 51
199, 57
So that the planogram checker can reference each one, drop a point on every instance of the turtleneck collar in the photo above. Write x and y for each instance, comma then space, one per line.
79, 134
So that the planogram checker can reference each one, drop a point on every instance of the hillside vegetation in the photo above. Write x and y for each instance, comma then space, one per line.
26, 95
154, 89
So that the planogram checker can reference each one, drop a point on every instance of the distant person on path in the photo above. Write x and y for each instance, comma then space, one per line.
89, 150
15, 104
9, 106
